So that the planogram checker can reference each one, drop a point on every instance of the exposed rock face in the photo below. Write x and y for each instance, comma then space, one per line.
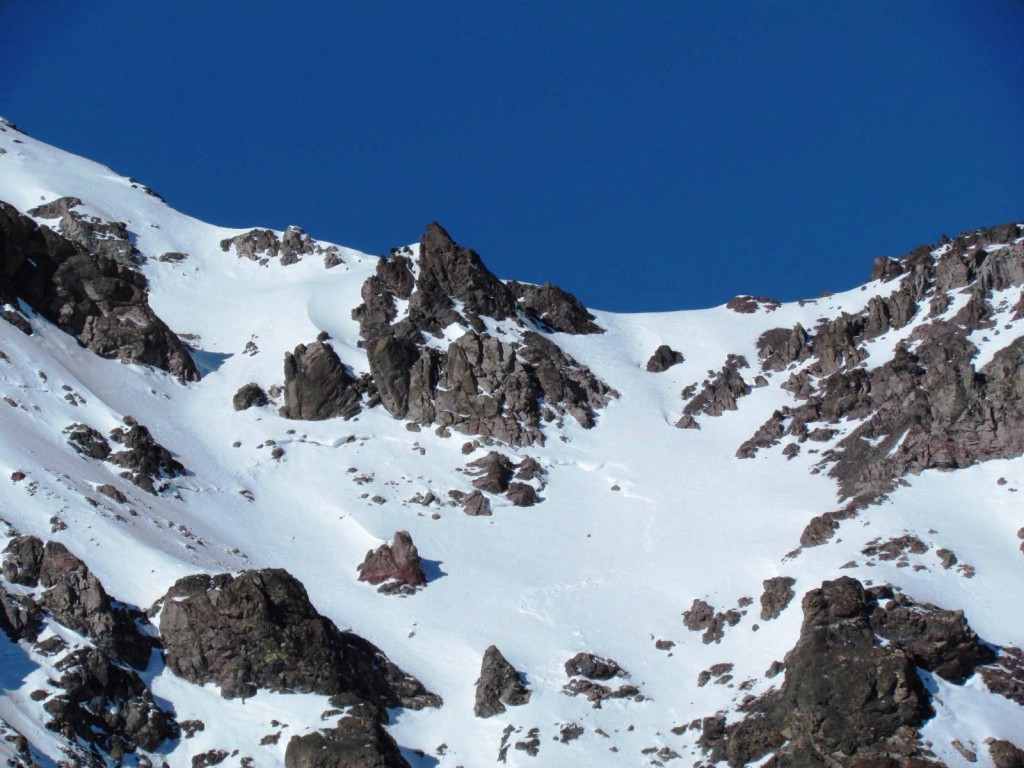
495, 472
475, 504
358, 741
149, 465
746, 305
259, 630
397, 567
927, 407
263, 244
249, 396
557, 309
719, 393
88, 294
107, 706
664, 357
778, 592
1005, 754
75, 598
317, 385
847, 699
498, 686
480, 384
104, 238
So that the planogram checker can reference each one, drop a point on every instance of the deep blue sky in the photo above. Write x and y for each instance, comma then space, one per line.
651, 155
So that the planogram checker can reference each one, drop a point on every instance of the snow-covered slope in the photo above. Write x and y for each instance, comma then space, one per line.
638, 518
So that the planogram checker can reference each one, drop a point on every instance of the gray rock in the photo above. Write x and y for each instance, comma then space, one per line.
358, 741
592, 667
259, 631
777, 595
398, 563
317, 385
250, 396
499, 686
475, 504
556, 309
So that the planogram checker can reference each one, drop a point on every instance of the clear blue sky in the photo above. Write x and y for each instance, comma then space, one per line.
650, 155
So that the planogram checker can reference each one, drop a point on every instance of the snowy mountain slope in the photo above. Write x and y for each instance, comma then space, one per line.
638, 518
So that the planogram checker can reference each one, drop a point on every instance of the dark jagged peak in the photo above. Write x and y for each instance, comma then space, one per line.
481, 384
93, 296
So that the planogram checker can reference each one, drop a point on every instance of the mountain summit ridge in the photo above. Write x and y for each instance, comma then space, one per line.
211, 431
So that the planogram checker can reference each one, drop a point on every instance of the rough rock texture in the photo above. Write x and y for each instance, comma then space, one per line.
927, 407
557, 309
664, 357
87, 441
1004, 754
494, 472
778, 592
718, 394
76, 599
317, 385
358, 741
147, 463
106, 705
746, 305
249, 396
847, 699
263, 244
105, 238
479, 384
475, 504
498, 686
396, 567
259, 630
592, 667
94, 297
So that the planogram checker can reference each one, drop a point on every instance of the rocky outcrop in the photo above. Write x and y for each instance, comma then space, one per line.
259, 630
554, 308
106, 706
147, 463
475, 504
76, 598
358, 741
664, 357
263, 244
848, 698
110, 239
1005, 754
479, 384
778, 592
779, 348
95, 297
498, 686
746, 305
87, 441
318, 386
248, 396
396, 567
718, 394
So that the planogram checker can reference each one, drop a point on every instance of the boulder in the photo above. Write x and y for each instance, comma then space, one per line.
358, 741
778, 593
592, 667
317, 385
258, 630
248, 396
664, 357
499, 685
396, 566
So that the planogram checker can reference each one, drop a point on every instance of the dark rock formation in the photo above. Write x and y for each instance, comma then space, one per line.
18, 320
494, 472
664, 357
479, 385
107, 706
1004, 754
88, 294
846, 699
87, 441
778, 592
719, 393
779, 348
522, 495
317, 385
475, 504
110, 239
20, 616
76, 598
358, 741
149, 465
259, 630
746, 305
396, 567
250, 396
592, 667
702, 616
499, 686
557, 309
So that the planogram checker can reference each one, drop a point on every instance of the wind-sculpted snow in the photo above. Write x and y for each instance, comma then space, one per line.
653, 591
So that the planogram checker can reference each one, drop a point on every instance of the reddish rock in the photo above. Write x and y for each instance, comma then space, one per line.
399, 562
